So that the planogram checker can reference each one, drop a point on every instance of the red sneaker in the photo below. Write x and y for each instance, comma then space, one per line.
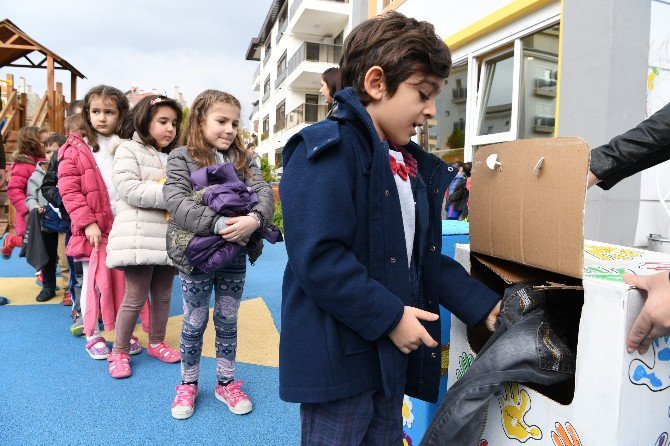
67, 298
8, 245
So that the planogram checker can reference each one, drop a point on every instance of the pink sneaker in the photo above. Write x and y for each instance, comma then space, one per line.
236, 400
119, 365
184, 402
163, 352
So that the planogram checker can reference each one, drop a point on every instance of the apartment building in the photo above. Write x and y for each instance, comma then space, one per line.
298, 41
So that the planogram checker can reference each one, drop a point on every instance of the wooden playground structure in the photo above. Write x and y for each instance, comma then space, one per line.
18, 50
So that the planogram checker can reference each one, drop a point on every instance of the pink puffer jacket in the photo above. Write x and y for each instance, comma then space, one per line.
22, 169
84, 194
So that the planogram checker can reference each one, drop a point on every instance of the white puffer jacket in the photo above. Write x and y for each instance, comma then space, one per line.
139, 229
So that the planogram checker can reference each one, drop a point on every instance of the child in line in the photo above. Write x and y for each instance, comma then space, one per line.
211, 137
73, 123
35, 200
88, 193
365, 277
65, 264
30, 151
137, 239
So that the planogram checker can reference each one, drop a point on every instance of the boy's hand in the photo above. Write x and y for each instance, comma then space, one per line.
93, 235
409, 334
492, 318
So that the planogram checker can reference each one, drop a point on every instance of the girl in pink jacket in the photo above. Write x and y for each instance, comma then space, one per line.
30, 152
85, 184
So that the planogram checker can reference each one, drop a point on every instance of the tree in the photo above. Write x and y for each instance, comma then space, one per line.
457, 139
266, 170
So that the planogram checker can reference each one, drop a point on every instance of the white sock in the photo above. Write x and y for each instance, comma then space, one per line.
154, 345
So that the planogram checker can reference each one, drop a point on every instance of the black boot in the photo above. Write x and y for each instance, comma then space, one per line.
45, 294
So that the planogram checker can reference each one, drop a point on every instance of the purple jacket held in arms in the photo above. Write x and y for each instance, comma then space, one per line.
230, 197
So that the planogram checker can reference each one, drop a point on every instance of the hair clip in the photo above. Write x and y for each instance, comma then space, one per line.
156, 100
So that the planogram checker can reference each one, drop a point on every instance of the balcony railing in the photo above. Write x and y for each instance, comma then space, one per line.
279, 126
266, 95
306, 113
315, 52
544, 124
281, 75
297, 3
282, 27
459, 95
268, 52
545, 87
254, 110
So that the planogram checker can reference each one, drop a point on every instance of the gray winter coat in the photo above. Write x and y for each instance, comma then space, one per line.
34, 198
190, 216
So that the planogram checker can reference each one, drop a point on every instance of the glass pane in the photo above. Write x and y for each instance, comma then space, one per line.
658, 76
537, 113
496, 114
444, 135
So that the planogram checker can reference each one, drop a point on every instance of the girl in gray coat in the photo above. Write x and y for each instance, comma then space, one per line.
210, 138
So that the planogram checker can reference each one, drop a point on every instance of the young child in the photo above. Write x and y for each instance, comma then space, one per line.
30, 151
137, 239
88, 193
50, 234
211, 138
365, 277
49, 188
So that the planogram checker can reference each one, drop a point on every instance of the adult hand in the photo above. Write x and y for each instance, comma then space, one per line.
492, 318
409, 334
654, 320
239, 229
93, 235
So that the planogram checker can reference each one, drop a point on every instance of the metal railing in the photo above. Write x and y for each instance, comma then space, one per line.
279, 126
306, 113
281, 75
296, 4
459, 94
268, 52
254, 110
545, 86
314, 52
282, 27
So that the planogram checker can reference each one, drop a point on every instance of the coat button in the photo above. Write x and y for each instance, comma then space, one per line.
450, 169
392, 260
433, 355
437, 191
432, 248
387, 193
430, 302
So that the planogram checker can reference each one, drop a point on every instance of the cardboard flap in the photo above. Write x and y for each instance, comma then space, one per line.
512, 273
527, 204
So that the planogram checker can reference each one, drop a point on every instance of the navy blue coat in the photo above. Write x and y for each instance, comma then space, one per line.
347, 280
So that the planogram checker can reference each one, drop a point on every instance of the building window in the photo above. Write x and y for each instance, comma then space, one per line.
281, 70
268, 50
282, 23
496, 93
278, 157
280, 117
266, 128
266, 89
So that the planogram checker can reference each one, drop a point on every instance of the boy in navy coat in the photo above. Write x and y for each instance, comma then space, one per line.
365, 277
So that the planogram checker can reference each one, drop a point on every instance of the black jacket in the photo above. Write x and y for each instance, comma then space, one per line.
644, 146
50, 191
3, 160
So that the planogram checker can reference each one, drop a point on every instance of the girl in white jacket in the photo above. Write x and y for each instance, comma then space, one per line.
137, 239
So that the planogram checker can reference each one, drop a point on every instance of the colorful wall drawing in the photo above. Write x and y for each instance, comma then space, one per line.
606, 273
657, 376
656, 266
662, 440
565, 436
514, 405
406, 439
609, 253
407, 415
464, 363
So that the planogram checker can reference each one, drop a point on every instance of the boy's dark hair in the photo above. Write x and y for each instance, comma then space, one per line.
75, 104
467, 168
332, 79
250, 145
401, 46
143, 113
55, 138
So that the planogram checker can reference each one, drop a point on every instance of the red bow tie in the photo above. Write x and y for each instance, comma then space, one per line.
398, 168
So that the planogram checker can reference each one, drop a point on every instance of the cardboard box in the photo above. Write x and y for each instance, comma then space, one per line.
527, 223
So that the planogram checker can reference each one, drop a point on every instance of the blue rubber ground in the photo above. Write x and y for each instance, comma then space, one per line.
52, 393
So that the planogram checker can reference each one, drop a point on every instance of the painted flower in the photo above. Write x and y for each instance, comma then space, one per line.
407, 415
406, 439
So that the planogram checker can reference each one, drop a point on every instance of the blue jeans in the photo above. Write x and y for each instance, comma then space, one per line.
524, 348
196, 289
